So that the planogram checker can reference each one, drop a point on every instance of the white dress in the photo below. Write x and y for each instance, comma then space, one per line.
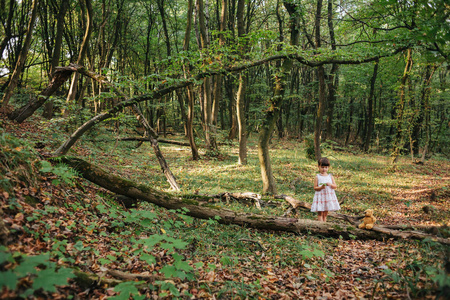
325, 200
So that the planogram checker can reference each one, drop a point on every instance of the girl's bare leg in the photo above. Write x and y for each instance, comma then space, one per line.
324, 215
320, 216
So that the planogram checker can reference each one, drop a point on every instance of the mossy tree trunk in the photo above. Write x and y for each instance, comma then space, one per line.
199, 207
400, 108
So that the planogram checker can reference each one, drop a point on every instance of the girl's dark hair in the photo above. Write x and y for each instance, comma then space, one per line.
324, 162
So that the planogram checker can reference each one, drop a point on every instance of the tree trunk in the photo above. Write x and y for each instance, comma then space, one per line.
164, 23
22, 58
229, 87
199, 207
83, 51
240, 97
48, 109
333, 78
370, 116
267, 128
189, 91
241, 120
218, 79
274, 110
423, 111
350, 122
320, 112
209, 128
398, 141
59, 77
8, 28
321, 78
190, 124
398, 231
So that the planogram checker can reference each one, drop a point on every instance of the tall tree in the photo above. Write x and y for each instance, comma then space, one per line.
370, 110
189, 90
22, 58
56, 53
206, 93
274, 110
240, 96
6, 18
397, 145
322, 85
333, 78
87, 4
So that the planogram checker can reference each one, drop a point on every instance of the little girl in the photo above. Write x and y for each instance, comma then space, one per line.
325, 199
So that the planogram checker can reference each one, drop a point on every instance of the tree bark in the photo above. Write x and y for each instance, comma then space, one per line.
22, 58
399, 231
198, 207
83, 51
60, 76
209, 128
333, 79
241, 120
267, 128
189, 91
322, 86
240, 96
400, 107
423, 110
8, 28
370, 116
64, 4
218, 79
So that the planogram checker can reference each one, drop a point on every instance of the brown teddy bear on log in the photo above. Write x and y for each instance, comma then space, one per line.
369, 220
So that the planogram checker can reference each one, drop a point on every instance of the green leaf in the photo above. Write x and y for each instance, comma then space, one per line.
147, 214
169, 271
104, 261
127, 289
8, 279
45, 167
179, 244
306, 254
150, 259
152, 240
167, 285
29, 264
5, 256
79, 245
47, 279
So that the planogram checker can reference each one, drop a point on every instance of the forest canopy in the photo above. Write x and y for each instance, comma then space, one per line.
371, 73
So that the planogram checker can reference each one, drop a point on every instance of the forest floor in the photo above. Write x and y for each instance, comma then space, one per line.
58, 221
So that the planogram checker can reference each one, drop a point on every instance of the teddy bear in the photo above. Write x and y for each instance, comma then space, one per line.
368, 221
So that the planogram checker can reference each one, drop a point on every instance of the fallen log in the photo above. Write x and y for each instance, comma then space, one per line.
246, 198
87, 280
199, 207
398, 231
143, 139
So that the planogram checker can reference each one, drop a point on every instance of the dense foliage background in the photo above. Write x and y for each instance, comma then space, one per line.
390, 104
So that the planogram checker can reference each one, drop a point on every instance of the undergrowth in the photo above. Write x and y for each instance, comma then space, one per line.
64, 223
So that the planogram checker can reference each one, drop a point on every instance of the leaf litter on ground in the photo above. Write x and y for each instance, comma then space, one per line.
81, 227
